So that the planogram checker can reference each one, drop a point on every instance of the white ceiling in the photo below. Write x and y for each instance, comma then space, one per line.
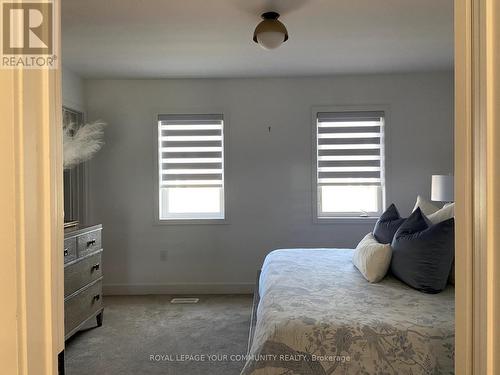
213, 38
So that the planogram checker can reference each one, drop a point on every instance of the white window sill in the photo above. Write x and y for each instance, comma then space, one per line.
346, 220
160, 222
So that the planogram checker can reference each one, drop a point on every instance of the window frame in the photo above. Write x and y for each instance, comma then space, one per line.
346, 217
157, 221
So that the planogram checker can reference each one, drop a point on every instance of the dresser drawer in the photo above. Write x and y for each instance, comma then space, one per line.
81, 273
89, 242
69, 249
82, 306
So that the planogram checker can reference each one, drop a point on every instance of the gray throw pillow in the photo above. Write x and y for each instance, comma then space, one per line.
422, 253
387, 225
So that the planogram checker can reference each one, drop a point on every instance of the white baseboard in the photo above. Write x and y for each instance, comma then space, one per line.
178, 288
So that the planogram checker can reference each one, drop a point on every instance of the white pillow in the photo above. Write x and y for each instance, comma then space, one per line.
372, 258
426, 206
445, 213
434, 213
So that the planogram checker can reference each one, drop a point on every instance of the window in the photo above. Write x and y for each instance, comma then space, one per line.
191, 167
349, 164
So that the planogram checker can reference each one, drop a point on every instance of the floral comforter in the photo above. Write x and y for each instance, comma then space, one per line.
318, 315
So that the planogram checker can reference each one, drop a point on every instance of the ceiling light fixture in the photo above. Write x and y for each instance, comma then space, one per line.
270, 33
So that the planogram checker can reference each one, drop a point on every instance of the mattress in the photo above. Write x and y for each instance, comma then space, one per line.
318, 315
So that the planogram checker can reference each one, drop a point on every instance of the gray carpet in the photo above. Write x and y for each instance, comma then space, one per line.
137, 327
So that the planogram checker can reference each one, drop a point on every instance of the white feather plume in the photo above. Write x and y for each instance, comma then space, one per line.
82, 143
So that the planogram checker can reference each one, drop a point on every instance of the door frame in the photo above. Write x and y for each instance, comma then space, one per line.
31, 221
477, 186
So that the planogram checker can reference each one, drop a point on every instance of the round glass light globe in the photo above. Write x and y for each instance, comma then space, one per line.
270, 39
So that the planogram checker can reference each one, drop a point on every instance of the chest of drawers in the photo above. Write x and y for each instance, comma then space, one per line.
82, 278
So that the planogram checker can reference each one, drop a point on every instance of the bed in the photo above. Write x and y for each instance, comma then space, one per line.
316, 314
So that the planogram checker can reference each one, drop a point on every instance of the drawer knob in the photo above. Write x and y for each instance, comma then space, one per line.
90, 243
96, 298
95, 267
66, 252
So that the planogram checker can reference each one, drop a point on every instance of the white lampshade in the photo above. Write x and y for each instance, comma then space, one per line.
442, 188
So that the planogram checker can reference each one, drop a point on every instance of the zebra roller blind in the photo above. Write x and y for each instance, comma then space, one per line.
350, 160
349, 146
191, 150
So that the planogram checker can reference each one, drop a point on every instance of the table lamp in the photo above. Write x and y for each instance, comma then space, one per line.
442, 188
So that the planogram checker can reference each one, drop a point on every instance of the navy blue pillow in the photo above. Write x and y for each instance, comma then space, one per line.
422, 253
387, 225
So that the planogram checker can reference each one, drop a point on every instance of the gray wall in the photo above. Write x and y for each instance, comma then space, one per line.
268, 174
72, 90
